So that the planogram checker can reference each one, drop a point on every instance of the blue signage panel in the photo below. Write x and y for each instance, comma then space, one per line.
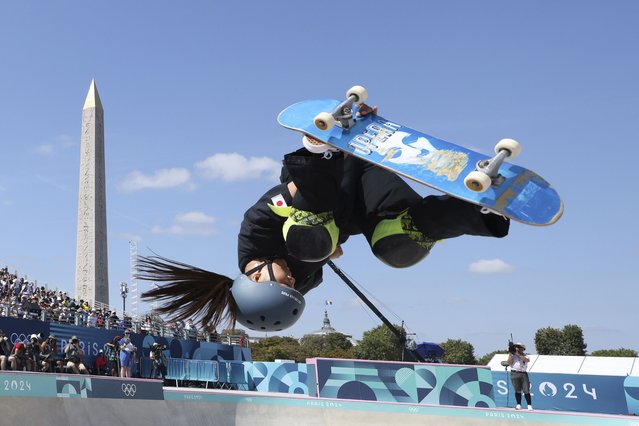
566, 392
27, 385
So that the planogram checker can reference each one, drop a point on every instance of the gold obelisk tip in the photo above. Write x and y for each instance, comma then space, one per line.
93, 99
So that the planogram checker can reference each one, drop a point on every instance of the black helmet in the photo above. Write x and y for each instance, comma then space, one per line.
267, 305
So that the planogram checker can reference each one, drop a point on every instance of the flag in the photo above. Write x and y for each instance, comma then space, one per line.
328, 302
278, 201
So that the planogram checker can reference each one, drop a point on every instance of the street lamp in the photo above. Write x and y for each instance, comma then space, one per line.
124, 289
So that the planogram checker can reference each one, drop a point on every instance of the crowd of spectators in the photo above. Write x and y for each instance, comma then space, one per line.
21, 298
24, 299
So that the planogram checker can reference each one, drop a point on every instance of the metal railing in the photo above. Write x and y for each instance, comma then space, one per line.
137, 325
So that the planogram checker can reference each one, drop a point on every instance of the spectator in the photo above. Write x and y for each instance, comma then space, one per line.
73, 354
99, 322
127, 355
146, 326
113, 320
5, 350
191, 330
31, 308
92, 319
101, 363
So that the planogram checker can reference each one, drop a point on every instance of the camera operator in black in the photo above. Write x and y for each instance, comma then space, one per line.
5, 350
48, 355
518, 362
113, 357
30, 355
73, 355
33, 351
159, 361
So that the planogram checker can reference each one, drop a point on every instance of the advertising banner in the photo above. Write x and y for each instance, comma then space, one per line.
567, 392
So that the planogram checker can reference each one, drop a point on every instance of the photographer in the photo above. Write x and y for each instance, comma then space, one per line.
33, 352
518, 362
18, 358
159, 361
101, 363
73, 355
49, 354
5, 350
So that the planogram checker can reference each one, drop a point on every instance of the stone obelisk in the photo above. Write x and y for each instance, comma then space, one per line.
91, 265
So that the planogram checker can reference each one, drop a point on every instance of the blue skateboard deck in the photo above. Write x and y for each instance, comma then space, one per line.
523, 195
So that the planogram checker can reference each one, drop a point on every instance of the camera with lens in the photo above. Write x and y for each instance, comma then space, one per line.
74, 341
511, 347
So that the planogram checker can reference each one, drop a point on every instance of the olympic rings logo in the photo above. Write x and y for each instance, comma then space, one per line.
129, 389
15, 337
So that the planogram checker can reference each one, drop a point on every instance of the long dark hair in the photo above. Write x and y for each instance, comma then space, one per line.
189, 292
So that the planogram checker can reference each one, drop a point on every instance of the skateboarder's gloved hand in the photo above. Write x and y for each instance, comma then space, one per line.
365, 110
337, 253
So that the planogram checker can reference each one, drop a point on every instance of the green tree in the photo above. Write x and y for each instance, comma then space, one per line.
234, 332
573, 343
333, 345
553, 341
380, 343
271, 348
548, 341
486, 358
621, 352
458, 352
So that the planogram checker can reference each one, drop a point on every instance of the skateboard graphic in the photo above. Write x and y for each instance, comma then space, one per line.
508, 189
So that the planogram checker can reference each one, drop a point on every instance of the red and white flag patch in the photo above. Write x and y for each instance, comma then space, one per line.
278, 201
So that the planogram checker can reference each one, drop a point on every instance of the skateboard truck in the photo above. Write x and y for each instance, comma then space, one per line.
486, 174
343, 113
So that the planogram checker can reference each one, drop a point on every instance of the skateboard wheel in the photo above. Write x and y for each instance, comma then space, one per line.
509, 144
477, 181
358, 91
324, 121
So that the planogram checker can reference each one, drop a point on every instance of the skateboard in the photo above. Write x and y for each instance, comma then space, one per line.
490, 182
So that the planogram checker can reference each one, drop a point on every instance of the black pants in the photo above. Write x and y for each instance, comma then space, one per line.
362, 194
161, 368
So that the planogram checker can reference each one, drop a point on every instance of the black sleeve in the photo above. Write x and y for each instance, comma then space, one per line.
261, 229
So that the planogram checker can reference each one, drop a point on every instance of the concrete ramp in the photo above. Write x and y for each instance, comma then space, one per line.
218, 407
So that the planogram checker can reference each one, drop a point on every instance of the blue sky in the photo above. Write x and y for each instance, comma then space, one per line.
191, 91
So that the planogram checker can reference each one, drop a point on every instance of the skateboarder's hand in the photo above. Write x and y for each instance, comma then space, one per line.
365, 110
337, 253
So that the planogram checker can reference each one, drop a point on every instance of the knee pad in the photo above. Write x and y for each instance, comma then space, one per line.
398, 243
310, 237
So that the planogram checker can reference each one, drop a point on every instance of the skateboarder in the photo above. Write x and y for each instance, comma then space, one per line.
298, 225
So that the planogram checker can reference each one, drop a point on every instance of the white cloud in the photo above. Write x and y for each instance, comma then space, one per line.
163, 178
45, 149
234, 167
196, 218
491, 266
59, 143
190, 223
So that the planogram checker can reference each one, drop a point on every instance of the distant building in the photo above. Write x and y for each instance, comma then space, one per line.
327, 328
